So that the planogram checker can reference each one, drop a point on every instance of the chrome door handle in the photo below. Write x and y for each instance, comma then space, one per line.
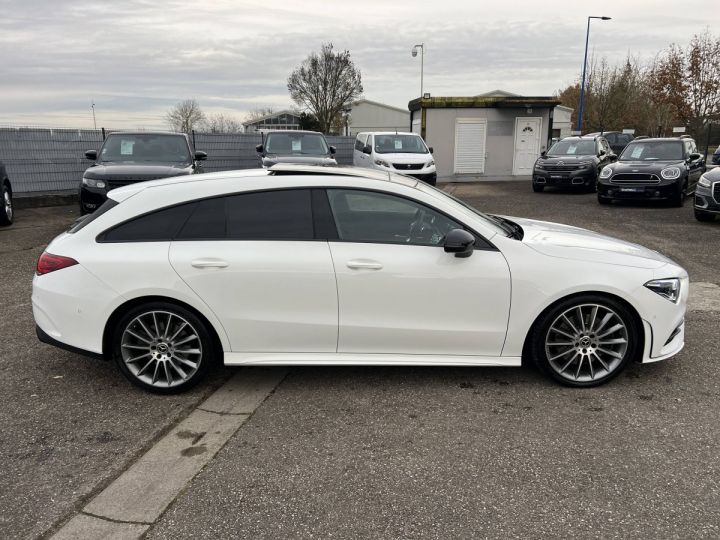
209, 263
364, 264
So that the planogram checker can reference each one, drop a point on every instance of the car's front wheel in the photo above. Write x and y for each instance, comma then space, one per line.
538, 188
6, 215
585, 340
604, 200
162, 347
678, 199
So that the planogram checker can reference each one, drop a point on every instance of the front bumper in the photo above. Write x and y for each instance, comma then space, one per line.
576, 178
92, 198
650, 192
663, 322
704, 200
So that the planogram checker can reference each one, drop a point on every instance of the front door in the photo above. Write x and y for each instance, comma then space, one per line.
527, 145
399, 292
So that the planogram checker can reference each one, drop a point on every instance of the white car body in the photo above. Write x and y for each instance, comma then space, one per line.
333, 302
398, 162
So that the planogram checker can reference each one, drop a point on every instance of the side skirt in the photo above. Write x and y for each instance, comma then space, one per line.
355, 359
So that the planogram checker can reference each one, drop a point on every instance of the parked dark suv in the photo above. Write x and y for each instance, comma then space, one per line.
716, 157
653, 169
572, 161
616, 139
294, 146
130, 157
6, 215
707, 196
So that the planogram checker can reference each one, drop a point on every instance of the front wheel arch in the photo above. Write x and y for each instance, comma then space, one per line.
121, 310
526, 357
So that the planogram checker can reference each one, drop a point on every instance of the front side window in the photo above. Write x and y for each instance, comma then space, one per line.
400, 144
360, 142
372, 217
572, 147
123, 148
296, 144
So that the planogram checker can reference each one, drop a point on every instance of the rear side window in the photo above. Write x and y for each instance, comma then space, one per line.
158, 226
270, 215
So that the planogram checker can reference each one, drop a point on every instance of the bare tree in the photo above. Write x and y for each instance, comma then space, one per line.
221, 123
185, 116
325, 83
258, 113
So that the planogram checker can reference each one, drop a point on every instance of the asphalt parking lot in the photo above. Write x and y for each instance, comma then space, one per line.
387, 452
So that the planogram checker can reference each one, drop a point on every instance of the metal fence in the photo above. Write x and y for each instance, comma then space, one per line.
51, 160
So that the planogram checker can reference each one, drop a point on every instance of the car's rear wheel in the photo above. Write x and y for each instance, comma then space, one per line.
538, 188
585, 341
7, 213
704, 216
162, 348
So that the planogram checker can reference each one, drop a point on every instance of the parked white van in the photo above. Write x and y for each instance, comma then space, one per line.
400, 152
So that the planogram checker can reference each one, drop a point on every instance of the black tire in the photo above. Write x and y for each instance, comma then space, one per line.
538, 188
544, 331
604, 200
704, 216
7, 212
202, 341
678, 199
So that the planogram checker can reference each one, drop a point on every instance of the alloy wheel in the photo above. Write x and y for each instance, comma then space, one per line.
586, 343
161, 349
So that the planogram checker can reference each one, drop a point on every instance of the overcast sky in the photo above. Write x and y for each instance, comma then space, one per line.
136, 58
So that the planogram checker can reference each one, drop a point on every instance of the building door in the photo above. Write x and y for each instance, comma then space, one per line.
470, 134
527, 144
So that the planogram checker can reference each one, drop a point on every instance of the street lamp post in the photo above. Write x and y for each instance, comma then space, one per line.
582, 87
422, 62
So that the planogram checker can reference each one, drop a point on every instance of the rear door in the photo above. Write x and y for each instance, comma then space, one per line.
253, 259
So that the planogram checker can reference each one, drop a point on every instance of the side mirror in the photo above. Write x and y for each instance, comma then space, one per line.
460, 242
431, 150
695, 156
543, 153
333, 149
91, 155
200, 156
367, 149
259, 148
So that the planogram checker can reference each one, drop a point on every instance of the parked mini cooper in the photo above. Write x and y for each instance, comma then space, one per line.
653, 169
707, 196
131, 157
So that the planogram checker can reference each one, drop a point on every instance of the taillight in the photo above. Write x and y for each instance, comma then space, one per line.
49, 263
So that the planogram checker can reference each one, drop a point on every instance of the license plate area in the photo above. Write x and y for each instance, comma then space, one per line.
632, 190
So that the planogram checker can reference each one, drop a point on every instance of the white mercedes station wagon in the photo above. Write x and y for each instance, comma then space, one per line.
333, 266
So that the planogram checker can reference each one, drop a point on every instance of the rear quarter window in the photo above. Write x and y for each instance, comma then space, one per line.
161, 225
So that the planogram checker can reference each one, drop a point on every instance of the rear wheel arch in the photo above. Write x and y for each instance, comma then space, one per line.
526, 360
121, 310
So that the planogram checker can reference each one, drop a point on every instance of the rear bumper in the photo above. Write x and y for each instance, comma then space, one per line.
48, 339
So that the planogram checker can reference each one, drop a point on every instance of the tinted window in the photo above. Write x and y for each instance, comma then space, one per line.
158, 226
86, 220
366, 216
207, 222
270, 215
359, 144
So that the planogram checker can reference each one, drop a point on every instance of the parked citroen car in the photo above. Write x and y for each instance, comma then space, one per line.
325, 265
294, 146
572, 162
707, 196
129, 157
653, 169
6, 216
406, 153
616, 139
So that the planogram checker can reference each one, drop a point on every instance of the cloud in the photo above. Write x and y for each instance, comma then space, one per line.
136, 58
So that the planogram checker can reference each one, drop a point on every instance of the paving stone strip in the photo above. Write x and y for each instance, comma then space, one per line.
128, 506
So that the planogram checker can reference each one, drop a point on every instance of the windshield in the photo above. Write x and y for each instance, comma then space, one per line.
135, 148
400, 144
296, 144
653, 151
573, 147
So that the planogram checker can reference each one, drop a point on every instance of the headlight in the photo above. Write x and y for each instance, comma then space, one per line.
382, 163
430, 163
668, 288
539, 165
671, 173
606, 172
91, 182
704, 182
